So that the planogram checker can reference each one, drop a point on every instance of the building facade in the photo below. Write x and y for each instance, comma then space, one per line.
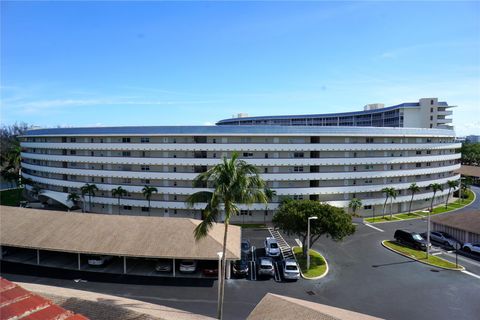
327, 164
426, 113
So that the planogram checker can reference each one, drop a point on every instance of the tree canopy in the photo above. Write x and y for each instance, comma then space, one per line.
470, 154
292, 218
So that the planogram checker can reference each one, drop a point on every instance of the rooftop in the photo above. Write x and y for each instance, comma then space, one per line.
130, 236
468, 221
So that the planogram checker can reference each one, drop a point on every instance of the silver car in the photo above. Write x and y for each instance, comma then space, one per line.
290, 269
98, 260
188, 266
265, 267
163, 265
443, 238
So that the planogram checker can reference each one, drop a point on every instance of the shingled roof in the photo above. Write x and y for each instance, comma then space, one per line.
130, 236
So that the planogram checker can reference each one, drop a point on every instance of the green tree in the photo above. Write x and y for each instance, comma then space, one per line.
292, 218
465, 183
435, 188
118, 193
269, 194
147, 193
452, 184
74, 197
413, 189
470, 154
390, 193
233, 182
89, 189
354, 204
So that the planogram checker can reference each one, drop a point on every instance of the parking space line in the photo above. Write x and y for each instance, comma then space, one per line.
373, 227
471, 274
300, 244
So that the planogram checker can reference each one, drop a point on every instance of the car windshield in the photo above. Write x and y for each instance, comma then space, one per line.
274, 245
264, 266
416, 236
291, 268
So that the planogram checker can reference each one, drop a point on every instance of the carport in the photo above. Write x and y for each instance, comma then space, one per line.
43, 237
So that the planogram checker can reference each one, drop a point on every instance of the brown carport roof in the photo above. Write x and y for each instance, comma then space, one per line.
468, 221
131, 236
472, 171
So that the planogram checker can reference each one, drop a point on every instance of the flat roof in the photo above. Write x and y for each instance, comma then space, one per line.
233, 130
274, 306
131, 236
471, 171
468, 221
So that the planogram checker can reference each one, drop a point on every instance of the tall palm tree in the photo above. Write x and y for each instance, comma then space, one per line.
89, 189
452, 184
393, 195
269, 194
147, 193
413, 189
74, 197
119, 192
233, 182
387, 192
354, 204
390, 193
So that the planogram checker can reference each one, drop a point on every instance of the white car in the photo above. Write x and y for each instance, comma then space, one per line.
472, 247
188, 266
99, 260
290, 269
271, 247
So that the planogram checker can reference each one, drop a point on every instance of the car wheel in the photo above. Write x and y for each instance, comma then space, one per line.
447, 244
467, 249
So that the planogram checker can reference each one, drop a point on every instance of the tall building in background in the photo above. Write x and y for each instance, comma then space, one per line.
330, 158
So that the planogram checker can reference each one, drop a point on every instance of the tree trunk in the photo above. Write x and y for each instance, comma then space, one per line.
391, 204
149, 207
448, 196
224, 267
118, 205
410, 205
431, 204
384, 207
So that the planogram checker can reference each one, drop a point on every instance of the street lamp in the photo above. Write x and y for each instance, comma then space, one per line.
308, 241
220, 279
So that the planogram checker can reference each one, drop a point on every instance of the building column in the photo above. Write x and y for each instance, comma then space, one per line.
124, 265
173, 268
228, 270
38, 256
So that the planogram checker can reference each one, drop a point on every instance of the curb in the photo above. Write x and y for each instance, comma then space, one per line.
314, 278
421, 217
462, 268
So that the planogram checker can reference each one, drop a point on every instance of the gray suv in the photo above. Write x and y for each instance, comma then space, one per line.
265, 267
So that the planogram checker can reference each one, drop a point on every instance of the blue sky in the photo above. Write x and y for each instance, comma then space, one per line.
180, 63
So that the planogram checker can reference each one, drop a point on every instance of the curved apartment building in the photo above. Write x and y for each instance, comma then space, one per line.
331, 164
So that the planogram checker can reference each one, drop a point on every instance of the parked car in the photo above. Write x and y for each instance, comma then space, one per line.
188, 266
411, 239
443, 238
246, 247
271, 247
471, 247
210, 268
240, 268
163, 265
265, 267
98, 260
290, 269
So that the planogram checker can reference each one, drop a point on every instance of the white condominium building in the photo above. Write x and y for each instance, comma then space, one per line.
333, 164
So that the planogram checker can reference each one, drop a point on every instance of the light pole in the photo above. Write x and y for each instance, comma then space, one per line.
220, 279
308, 241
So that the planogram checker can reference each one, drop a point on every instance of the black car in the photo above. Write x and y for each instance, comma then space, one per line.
411, 239
240, 268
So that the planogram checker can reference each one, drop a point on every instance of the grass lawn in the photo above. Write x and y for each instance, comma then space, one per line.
250, 225
318, 265
420, 255
418, 214
11, 197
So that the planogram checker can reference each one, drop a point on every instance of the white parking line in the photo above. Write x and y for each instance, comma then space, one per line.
373, 227
300, 244
471, 274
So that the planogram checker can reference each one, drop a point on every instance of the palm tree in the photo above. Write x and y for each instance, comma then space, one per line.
119, 192
413, 189
452, 184
354, 204
465, 184
269, 194
74, 197
393, 195
233, 182
390, 193
89, 189
147, 193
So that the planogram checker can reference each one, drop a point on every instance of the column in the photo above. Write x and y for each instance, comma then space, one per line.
38, 256
124, 265
173, 268
228, 270
79, 262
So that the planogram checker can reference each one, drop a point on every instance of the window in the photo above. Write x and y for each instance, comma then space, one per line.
431, 109
298, 155
431, 102
266, 155
418, 152
214, 155
367, 207
145, 209
368, 167
429, 151
73, 140
174, 169
369, 140
64, 139
127, 207
144, 140
92, 153
145, 168
248, 154
265, 170
126, 153
214, 140
428, 164
368, 181
298, 169
431, 118
418, 165
298, 197
91, 140
127, 180
145, 181
73, 152
126, 140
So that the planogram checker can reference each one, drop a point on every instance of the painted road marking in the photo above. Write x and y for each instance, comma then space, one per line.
471, 274
300, 244
373, 227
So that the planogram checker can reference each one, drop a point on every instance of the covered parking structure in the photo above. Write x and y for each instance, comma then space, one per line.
62, 239
464, 226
